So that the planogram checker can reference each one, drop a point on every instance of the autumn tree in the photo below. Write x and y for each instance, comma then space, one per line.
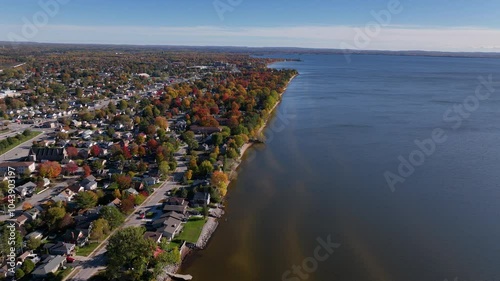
95, 150
124, 181
49, 169
220, 181
71, 167
86, 170
161, 122
72, 152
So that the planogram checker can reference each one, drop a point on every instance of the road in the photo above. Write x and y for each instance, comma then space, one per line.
22, 150
97, 261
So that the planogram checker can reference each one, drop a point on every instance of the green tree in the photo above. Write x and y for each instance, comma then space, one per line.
86, 199
28, 266
54, 215
100, 228
129, 254
19, 273
206, 168
114, 217
164, 168
33, 243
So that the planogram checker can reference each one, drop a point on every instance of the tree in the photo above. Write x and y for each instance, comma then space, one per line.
117, 194
139, 199
49, 169
86, 170
54, 215
72, 152
112, 215
66, 221
86, 199
127, 205
28, 266
206, 168
27, 206
188, 175
95, 150
161, 122
129, 254
164, 168
124, 181
33, 243
19, 273
217, 139
100, 228
71, 167
220, 181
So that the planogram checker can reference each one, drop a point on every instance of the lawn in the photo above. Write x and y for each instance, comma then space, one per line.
6, 145
87, 249
192, 230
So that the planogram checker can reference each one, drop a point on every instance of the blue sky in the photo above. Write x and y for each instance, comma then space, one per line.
457, 25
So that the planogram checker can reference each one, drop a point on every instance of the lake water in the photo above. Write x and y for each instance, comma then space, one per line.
339, 128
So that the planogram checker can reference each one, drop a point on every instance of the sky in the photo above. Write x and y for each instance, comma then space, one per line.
432, 25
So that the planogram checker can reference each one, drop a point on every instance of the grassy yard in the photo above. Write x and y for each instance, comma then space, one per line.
15, 141
87, 249
192, 230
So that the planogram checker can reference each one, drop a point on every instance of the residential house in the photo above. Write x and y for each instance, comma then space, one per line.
155, 236
18, 167
89, 183
171, 227
34, 235
115, 203
25, 189
149, 181
202, 198
66, 195
61, 248
205, 130
21, 220
50, 265
132, 191
77, 236
32, 214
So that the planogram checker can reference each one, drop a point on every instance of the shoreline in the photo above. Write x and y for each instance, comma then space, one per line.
249, 144
208, 231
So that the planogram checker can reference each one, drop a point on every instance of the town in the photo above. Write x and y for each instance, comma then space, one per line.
122, 156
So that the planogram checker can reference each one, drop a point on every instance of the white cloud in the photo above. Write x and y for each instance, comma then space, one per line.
389, 37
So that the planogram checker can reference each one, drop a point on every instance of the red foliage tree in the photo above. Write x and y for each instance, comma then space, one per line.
95, 150
71, 168
72, 152
124, 181
86, 170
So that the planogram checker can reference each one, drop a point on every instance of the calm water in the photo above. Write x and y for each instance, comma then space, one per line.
322, 174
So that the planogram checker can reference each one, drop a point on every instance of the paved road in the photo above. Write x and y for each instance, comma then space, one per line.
23, 149
97, 261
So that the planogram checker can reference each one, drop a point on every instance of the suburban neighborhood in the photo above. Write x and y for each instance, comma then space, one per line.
109, 150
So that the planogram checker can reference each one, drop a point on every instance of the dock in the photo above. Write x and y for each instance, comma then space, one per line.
180, 276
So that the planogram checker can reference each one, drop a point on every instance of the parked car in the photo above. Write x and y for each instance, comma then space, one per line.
70, 259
